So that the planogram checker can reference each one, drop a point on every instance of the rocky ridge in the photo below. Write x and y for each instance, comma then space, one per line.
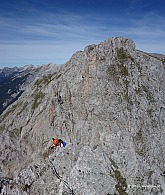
111, 114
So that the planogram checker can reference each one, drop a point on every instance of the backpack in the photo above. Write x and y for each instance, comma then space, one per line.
64, 144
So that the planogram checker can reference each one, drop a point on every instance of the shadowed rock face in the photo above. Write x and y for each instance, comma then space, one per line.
108, 103
13, 82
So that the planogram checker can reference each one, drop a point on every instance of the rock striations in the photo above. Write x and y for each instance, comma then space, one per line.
111, 113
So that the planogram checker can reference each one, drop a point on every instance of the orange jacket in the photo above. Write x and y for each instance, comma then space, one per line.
55, 142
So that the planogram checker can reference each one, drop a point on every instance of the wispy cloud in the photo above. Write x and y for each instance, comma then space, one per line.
53, 29
56, 36
57, 27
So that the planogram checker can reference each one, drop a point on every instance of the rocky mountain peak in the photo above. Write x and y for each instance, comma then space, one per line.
107, 102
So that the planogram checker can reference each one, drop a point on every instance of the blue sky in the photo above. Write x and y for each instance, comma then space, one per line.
50, 31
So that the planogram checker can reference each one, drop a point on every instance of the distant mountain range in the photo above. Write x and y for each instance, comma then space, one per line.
6, 72
13, 82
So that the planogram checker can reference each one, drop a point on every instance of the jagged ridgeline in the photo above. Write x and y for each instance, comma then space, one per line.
108, 103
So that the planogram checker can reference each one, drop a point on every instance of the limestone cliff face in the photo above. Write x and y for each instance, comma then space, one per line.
108, 103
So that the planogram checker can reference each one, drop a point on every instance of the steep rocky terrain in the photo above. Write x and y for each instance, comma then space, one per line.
108, 103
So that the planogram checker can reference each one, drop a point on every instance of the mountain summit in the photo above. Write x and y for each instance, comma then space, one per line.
111, 114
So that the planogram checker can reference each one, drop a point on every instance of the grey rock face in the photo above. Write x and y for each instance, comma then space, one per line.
107, 102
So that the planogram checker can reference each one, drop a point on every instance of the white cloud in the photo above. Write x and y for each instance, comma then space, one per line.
54, 37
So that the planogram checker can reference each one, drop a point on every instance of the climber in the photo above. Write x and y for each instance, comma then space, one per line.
59, 143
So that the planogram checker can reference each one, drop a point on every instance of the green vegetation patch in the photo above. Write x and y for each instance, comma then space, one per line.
139, 143
121, 186
154, 123
23, 108
46, 79
119, 71
123, 55
144, 90
116, 71
37, 100
139, 135
149, 94
113, 163
11, 110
